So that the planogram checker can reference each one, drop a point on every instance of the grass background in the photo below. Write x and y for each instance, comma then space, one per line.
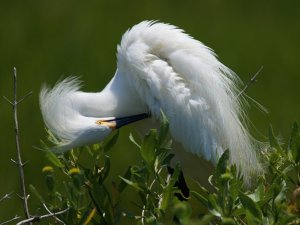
47, 40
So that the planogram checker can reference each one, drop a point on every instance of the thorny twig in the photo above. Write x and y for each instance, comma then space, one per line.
5, 98
19, 161
251, 81
12, 219
55, 217
6, 196
38, 218
29, 219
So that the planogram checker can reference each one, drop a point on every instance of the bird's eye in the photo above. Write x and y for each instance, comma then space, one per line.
99, 122
110, 124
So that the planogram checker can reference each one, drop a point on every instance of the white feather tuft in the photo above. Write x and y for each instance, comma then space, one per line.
53, 104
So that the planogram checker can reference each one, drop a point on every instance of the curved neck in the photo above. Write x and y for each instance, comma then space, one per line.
117, 99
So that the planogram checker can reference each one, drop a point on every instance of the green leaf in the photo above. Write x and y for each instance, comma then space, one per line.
131, 138
106, 168
50, 181
78, 180
123, 184
251, 219
96, 147
175, 174
213, 206
273, 141
222, 164
200, 198
294, 144
87, 211
165, 198
111, 142
150, 219
289, 219
167, 159
167, 192
132, 184
140, 173
228, 221
164, 128
182, 211
251, 206
275, 188
148, 148
54, 159
35, 192
51, 137
101, 198
143, 197
206, 220
100, 195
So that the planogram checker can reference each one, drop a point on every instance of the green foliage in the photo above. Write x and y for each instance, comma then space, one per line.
78, 180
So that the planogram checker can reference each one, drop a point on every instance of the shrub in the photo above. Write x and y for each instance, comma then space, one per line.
91, 199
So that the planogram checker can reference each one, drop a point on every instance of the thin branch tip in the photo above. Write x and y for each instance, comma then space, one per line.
251, 81
16, 217
55, 217
38, 218
14, 161
24, 97
15, 71
6, 196
6, 99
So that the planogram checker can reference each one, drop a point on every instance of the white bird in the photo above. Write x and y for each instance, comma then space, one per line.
159, 67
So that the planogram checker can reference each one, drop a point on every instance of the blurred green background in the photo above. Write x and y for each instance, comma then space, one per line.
47, 40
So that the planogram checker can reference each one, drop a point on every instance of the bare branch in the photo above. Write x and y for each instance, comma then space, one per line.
48, 210
19, 158
38, 218
24, 163
251, 81
22, 197
6, 196
6, 99
25, 96
8, 221
14, 161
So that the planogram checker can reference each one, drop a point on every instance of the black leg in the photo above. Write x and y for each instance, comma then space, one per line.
182, 186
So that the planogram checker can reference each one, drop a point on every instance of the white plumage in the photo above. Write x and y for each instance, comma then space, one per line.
159, 67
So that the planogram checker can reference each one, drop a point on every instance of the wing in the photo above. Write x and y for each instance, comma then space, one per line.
178, 74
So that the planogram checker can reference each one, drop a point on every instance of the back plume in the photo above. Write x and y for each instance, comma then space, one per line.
172, 71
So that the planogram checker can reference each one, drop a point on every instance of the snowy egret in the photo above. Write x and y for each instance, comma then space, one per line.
159, 67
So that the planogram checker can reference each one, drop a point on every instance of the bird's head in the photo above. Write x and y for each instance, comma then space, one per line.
88, 130
68, 115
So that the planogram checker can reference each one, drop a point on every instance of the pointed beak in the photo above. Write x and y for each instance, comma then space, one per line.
116, 123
